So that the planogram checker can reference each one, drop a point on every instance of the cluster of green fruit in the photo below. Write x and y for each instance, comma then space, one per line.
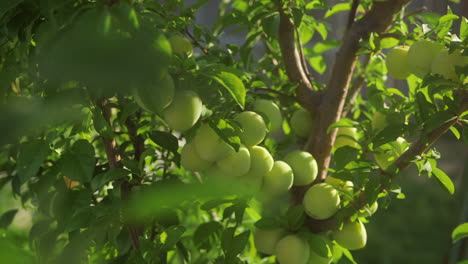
422, 58
297, 249
252, 165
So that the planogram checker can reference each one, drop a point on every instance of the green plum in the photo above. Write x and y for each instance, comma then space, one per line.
397, 62
386, 154
190, 159
301, 123
209, 145
184, 111
421, 55
236, 164
321, 201
271, 110
254, 129
279, 179
303, 165
292, 249
346, 136
353, 235
181, 45
444, 63
156, 97
266, 239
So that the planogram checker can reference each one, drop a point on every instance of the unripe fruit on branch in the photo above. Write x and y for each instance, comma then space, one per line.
353, 235
261, 162
209, 145
271, 110
388, 153
421, 55
321, 201
444, 63
184, 111
303, 165
397, 62
155, 97
301, 123
279, 179
190, 160
180, 45
346, 136
292, 249
236, 164
266, 239
254, 129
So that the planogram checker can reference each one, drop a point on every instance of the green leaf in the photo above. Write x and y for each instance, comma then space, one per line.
447, 18
296, 217
455, 132
239, 242
464, 28
204, 232
111, 175
165, 140
344, 155
13, 254
388, 134
319, 245
317, 63
78, 162
174, 234
444, 179
338, 8
460, 232
31, 155
233, 84
7, 218
267, 223
227, 131
7, 5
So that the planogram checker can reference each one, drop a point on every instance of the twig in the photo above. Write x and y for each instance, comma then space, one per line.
355, 87
200, 46
301, 53
305, 94
352, 14
269, 90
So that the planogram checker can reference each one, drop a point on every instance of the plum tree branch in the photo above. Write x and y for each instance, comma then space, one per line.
114, 158
293, 63
424, 142
378, 20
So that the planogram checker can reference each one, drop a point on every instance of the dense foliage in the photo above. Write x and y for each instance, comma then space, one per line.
136, 136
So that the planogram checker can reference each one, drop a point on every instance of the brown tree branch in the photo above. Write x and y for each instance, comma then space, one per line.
114, 158
378, 20
352, 14
419, 147
305, 94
